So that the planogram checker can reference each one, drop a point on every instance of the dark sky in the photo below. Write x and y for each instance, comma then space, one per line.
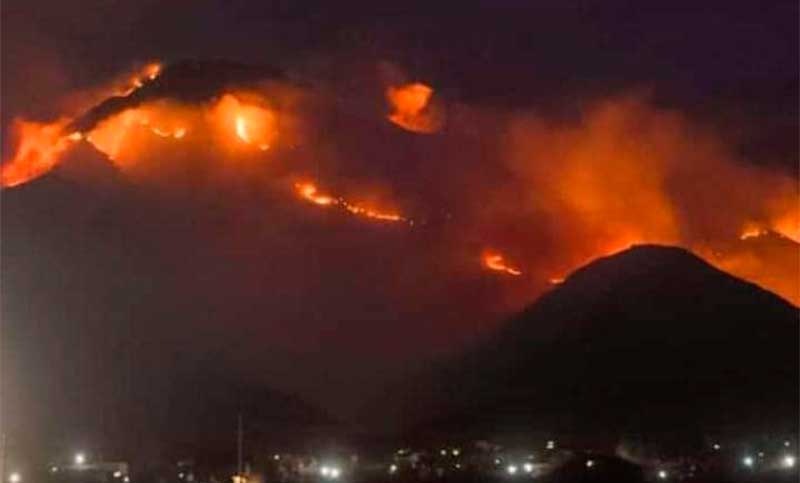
295, 300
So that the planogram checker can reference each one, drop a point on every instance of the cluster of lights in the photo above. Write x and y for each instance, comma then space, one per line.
513, 469
330, 472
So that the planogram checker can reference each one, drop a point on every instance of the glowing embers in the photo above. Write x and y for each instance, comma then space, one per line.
496, 262
39, 148
310, 192
412, 108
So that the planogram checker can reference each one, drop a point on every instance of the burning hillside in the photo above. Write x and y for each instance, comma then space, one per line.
556, 194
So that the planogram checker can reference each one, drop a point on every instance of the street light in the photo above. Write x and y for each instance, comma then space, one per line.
789, 461
80, 458
14, 477
748, 461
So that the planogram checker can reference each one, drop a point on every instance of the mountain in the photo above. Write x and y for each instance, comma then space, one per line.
186, 80
96, 341
649, 339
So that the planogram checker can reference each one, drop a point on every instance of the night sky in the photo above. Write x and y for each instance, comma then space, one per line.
112, 289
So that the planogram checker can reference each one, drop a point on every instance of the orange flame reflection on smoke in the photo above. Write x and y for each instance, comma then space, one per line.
411, 108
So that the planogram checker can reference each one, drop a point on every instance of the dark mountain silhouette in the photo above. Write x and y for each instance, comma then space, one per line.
650, 339
186, 80
90, 316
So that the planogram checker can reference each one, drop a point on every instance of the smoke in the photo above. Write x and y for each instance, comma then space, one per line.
410, 244
626, 172
547, 194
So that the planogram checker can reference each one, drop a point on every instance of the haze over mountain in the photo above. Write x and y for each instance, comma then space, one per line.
650, 339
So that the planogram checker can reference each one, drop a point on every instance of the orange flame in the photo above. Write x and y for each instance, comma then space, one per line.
250, 124
369, 213
309, 191
39, 150
752, 231
241, 129
411, 108
148, 73
495, 261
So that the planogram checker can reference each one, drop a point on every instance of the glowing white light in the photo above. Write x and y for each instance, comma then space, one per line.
15, 477
589, 463
325, 471
527, 467
497, 461
748, 461
443, 452
786, 444
126, 479
80, 458
276, 457
789, 461
456, 451
662, 474
53, 469
393, 469
511, 469
335, 472
551, 444
716, 447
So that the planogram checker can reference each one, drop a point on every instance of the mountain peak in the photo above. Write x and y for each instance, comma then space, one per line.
651, 327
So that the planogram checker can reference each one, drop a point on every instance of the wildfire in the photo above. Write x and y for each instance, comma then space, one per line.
495, 261
753, 232
241, 129
251, 124
148, 73
39, 149
309, 192
116, 136
178, 133
603, 184
411, 108
40, 146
